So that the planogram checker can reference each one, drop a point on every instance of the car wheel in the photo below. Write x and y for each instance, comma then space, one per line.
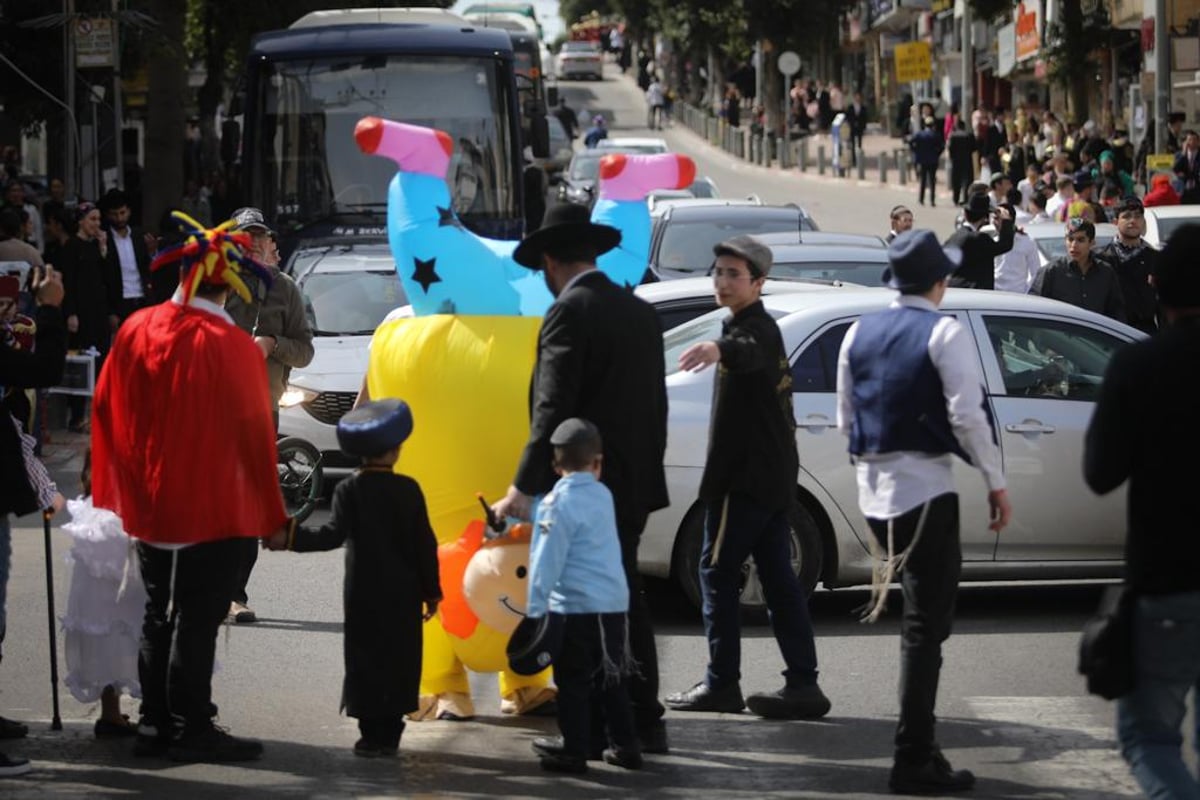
806, 555
300, 476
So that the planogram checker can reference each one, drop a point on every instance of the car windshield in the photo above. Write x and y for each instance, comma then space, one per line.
688, 246
867, 274
350, 303
1055, 247
308, 166
702, 329
1168, 226
586, 167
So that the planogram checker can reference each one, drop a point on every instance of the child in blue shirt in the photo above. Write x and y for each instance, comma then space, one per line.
575, 571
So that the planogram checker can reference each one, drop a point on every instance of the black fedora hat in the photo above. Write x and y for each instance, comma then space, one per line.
565, 225
916, 260
534, 643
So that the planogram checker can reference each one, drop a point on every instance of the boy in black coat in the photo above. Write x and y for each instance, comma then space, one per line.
391, 583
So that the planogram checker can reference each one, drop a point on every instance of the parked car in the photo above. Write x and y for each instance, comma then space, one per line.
1162, 221
685, 231
1051, 238
347, 293
580, 58
829, 261
635, 144
579, 180
703, 187
1042, 361
685, 299
823, 237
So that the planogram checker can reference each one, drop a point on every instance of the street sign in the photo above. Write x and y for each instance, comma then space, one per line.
789, 62
94, 42
914, 62
1156, 162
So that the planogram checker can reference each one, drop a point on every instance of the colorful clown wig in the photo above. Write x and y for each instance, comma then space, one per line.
211, 255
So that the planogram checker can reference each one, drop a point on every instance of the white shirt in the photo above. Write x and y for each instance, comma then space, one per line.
654, 94
1016, 269
1026, 190
1056, 203
891, 484
131, 279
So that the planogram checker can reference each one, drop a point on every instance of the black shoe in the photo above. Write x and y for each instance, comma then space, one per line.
934, 776
214, 746
790, 702
11, 767
703, 698
11, 729
653, 738
370, 748
625, 757
553, 746
107, 729
564, 763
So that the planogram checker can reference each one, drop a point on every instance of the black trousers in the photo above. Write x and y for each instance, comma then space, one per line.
384, 730
187, 599
586, 689
928, 174
929, 582
249, 547
643, 685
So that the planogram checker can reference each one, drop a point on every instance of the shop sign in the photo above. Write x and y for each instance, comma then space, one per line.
914, 62
1006, 49
1028, 24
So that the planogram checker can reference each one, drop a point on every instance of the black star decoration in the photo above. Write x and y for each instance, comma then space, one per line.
446, 217
424, 273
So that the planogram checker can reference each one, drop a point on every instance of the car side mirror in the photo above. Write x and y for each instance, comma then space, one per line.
539, 137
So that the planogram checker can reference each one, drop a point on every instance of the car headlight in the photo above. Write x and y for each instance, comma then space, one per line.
294, 396
577, 194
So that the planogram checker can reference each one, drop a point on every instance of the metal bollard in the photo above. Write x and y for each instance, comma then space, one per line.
883, 166
860, 158
902, 167
820, 159
804, 155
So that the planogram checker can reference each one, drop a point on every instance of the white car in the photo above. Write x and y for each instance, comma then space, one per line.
1162, 221
347, 293
1042, 398
1051, 238
635, 144
580, 59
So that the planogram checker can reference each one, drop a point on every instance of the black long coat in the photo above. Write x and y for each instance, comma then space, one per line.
979, 251
391, 570
600, 357
85, 294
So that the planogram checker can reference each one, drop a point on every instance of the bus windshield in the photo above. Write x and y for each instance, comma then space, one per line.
308, 166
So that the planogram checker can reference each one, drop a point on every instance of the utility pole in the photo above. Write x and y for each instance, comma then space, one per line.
118, 111
1162, 75
72, 168
968, 62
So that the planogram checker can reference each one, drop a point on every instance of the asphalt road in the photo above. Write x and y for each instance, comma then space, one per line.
1011, 707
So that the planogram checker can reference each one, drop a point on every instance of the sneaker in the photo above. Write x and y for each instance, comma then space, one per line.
564, 763
11, 729
149, 742
653, 738
790, 702
369, 748
213, 745
625, 757
553, 746
702, 697
931, 777
11, 767
241, 613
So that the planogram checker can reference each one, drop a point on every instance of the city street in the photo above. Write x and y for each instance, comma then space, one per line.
1011, 707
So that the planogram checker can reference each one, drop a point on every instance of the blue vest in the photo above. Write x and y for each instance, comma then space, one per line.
898, 397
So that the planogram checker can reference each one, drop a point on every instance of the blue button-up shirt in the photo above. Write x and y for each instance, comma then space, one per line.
575, 556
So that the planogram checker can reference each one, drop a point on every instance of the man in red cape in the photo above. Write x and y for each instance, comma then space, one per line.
183, 450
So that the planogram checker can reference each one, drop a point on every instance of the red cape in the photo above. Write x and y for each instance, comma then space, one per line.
183, 442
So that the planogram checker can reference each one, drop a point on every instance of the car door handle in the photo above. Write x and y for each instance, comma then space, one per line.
815, 421
1029, 426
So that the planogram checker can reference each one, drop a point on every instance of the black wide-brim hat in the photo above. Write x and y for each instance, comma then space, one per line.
535, 643
565, 225
374, 428
917, 261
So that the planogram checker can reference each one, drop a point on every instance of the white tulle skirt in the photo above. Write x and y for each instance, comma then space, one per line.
103, 622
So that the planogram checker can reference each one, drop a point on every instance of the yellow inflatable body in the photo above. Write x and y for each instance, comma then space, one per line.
466, 379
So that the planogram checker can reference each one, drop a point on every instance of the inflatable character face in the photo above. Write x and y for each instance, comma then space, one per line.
496, 582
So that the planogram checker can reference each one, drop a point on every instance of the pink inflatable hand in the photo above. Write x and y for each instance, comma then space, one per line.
631, 177
423, 151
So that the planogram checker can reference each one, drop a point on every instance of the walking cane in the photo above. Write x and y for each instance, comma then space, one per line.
56, 720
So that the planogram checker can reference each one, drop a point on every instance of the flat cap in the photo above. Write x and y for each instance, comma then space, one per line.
756, 254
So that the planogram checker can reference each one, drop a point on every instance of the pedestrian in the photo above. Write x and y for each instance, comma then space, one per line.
391, 577
927, 151
901, 220
732, 106
104, 612
566, 115
976, 270
13, 247
961, 147
856, 115
1135, 262
1081, 279
1057, 205
277, 321
126, 261
90, 320
1161, 193
183, 451
1015, 270
15, 197
910, 357
594, 134
748, 489
1187, 168
654, 104
575, 579
1155, 381
600, 358
38, 367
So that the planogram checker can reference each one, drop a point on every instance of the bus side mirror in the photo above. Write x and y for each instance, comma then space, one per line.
551, 96
539, 136
231, 141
